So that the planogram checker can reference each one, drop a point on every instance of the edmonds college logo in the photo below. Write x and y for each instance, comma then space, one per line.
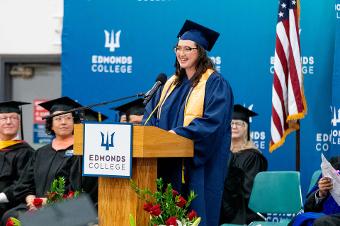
109, 63
112, 40
107, 141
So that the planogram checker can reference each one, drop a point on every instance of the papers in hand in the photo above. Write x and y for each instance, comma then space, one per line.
329, 171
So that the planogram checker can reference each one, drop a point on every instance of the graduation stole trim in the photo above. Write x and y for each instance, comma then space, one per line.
8, 143
194, 103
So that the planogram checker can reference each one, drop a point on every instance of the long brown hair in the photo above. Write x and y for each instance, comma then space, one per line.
203, 63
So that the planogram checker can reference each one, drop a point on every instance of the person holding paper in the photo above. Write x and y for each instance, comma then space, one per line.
320, 208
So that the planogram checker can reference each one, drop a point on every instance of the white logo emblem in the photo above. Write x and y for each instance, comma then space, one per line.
112, 40
250, 108
336, 116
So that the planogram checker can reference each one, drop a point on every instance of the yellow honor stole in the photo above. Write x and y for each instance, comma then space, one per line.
194, 102
8, 143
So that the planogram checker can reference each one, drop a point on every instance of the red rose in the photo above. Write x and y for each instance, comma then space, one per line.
174, 193
147, 206
171, 221
9, 222
70, 194
155, 210
192, 214
37, 202
181, 202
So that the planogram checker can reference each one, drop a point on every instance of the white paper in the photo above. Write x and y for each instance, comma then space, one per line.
328, 171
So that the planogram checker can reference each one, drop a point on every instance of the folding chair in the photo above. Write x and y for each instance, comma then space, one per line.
276, 192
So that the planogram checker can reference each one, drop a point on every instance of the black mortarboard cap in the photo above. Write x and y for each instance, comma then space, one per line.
60, 104
11, 106
72, 212
135, 107
201, 35
92, 115
242, 113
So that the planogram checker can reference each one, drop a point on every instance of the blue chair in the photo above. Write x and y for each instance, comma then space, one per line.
276, 192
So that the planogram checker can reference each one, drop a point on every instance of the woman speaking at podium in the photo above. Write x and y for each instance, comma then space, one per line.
196, 103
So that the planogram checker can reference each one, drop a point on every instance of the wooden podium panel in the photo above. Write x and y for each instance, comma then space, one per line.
116, 199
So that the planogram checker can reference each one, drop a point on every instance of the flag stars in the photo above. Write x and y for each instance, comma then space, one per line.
293, 2
283, 5
280, 14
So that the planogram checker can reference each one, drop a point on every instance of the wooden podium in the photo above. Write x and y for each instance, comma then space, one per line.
116, 199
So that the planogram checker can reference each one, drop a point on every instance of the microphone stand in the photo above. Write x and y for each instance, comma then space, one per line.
94, 105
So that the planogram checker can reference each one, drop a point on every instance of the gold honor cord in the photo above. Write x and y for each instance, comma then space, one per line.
99, 117
153, 111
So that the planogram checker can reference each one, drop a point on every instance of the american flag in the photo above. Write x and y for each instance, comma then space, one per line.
288, 101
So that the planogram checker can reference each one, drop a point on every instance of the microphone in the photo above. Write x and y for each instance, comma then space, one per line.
161, 79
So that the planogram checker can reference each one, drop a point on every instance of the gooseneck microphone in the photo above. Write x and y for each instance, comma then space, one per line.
161, 79
94, 105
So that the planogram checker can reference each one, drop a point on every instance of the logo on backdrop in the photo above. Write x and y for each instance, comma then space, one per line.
337, 11
336, 116
307, 65
112, 40
217, 60
257, 136
111, 64
325, 140
107, 142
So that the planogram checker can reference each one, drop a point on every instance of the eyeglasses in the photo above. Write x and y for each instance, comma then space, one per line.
63, 117
11, 118
185, 49
237, 124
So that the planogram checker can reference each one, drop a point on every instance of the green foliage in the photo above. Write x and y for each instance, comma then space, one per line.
58, 191
165, 203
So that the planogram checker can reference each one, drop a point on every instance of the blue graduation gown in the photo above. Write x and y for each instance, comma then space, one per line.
326, 212
211, 134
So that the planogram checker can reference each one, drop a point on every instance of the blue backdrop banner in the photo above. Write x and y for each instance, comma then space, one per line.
335, 108
113, 49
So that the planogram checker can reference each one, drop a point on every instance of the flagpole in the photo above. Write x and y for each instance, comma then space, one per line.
297, 147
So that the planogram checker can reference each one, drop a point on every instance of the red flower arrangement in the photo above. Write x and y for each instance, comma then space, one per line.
167, 207
13, 222
37, 202
56, 194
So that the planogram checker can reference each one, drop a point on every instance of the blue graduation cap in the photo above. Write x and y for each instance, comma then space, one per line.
199, 34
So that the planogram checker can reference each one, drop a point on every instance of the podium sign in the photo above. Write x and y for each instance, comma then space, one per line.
108, 152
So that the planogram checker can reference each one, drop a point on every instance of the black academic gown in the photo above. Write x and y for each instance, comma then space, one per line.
46, 165
243, 167
13, 160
